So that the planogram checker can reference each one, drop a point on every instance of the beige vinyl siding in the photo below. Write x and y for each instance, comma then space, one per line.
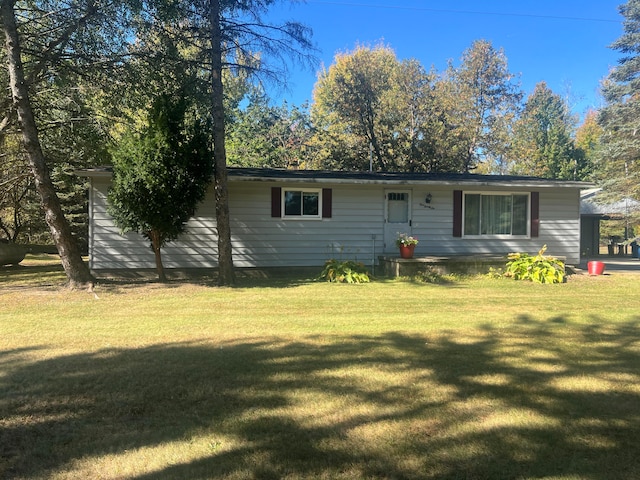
108, 249
559, 226
354, 231
261, 240
560, 223
258, 239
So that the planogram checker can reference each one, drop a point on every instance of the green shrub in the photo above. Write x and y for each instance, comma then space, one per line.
430, 275
539, 268
495, 273
347, 271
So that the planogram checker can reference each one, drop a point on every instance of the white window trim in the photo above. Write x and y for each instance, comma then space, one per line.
303, 190
496, 236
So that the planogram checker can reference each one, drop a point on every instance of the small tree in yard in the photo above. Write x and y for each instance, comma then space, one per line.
160, 176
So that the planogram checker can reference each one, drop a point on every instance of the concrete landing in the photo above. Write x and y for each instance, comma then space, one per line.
393, 266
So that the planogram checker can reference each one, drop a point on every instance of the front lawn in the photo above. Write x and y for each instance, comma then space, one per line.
293, 379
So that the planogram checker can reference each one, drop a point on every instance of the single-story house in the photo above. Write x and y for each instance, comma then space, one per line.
301, 218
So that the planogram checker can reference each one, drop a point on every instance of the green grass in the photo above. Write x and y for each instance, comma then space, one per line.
471, 379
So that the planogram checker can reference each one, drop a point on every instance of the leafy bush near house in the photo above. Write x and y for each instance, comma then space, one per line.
344, 271
539, 268
431, 275
495, 273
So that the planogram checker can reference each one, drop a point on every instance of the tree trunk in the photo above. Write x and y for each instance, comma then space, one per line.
75, 268
225, 259
156, 245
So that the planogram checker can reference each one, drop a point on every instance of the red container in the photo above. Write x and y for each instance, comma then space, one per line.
406, 251
595, 268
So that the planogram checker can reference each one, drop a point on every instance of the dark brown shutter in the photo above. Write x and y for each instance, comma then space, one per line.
326, 202
276, 202
457, 213
535, 214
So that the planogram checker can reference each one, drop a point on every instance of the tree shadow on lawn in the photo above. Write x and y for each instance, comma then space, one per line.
30, 275
542, 400
51, 275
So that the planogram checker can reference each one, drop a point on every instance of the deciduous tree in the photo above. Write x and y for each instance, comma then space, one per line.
485, 103
372, 110
369, 104
415, 119
350, 106
587, 140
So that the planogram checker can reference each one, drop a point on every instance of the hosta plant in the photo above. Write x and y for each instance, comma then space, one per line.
347, 271
539, 268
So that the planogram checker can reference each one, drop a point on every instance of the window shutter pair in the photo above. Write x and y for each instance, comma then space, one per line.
457, 213
276, 202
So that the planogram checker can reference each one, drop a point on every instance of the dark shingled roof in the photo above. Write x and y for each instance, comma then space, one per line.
268, 174
392, 178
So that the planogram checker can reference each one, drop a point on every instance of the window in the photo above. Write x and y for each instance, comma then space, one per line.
398, 207
301, 203
496, 214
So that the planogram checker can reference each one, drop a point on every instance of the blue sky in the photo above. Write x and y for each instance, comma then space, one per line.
563, 42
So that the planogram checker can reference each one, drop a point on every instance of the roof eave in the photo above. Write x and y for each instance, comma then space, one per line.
386, 181
354, 178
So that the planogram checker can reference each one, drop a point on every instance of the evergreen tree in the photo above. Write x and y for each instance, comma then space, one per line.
619, 159
543, 139
220, 35
160, 175
47, 51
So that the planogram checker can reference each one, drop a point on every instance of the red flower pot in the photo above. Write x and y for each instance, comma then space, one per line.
595, 268
406, 251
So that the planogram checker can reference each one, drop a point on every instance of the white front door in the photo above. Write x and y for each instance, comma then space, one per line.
397, 217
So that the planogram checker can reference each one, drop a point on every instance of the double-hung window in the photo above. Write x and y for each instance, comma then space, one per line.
301, 203
496, 214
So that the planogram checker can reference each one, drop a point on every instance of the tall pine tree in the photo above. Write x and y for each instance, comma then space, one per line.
618, 163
